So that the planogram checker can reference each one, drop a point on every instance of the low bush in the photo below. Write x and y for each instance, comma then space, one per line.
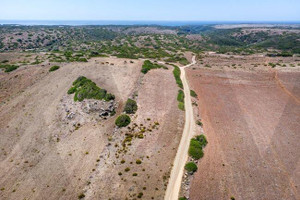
123, 121
86, 89
195, 153
181, 106
193, 93
191, 167
81, 196
180, 96
202, 140
195, 149
148, 65
138, 161
130, 106
199, 123
53, 68
182, 198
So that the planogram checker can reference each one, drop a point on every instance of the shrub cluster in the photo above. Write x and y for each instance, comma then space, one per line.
196, 145
148, 65
130, 106
86, 89
53, 68
176, 73
9, 68
123, 121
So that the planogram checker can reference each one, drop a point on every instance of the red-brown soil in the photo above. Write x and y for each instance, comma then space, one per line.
251, 120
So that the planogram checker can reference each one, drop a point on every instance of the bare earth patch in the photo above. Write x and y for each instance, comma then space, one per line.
251, 120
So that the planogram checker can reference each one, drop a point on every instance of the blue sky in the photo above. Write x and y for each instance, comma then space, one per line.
170, 10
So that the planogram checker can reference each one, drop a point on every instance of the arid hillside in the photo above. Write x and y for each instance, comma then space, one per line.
55, 148
250, 113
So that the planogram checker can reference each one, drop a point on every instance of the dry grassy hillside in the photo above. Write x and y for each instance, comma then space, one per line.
44, 155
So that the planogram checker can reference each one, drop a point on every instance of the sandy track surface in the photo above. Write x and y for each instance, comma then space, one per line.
251, 120
188, 132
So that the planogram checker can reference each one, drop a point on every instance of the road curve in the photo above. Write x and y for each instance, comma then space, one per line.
181, 157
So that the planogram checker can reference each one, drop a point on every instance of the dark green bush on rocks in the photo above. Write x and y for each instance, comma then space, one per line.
130, 106
123, 121
86, 89
191, 167
195, 149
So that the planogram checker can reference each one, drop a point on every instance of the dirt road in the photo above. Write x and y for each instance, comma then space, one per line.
188, 132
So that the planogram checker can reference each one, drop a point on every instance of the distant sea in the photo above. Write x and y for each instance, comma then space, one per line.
111, 22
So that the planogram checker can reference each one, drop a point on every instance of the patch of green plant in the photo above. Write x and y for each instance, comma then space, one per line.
199, 123
202, 140
181, 106
86, 89
180, 96
53, 68
148, 65
123, 121
9, 68
182, 198
193, 93
130, 106
196, 146
176, 73
195, 149
81, 196
191, 167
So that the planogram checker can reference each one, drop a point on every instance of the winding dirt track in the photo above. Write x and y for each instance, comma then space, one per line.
188, 132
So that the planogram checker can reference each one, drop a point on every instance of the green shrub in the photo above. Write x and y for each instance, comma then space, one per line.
86, 89
195, 152
195, 149
9, 68
127, 169
140, 195
193, 93
148, 65
202, 139
130, 106
53, 68
123, 121
138, 161
180, 96
191, 167
182, 198
81, 196
181, 106
176, 73
198, 122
